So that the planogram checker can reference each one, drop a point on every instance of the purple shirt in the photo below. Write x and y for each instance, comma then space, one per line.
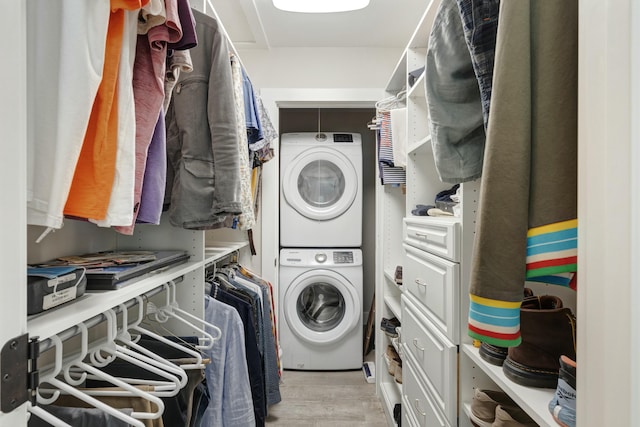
155, 175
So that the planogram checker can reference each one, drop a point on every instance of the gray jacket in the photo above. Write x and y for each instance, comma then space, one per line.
203, 177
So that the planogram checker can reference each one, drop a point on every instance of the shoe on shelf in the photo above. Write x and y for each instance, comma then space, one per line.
494, 354
548, 331
393, 359
397, 412
484, 404
397, 277
563, 404
398, 373
389, 326
512, 417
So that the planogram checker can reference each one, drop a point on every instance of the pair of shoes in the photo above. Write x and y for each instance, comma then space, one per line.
494, 354
389, 326
563, 404
397, 412
397, 277
397, 373
548, 331
491, 408
393, 359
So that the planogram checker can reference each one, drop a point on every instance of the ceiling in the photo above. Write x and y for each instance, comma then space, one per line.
258, 24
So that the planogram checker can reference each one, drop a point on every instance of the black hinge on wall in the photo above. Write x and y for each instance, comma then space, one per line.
19, 375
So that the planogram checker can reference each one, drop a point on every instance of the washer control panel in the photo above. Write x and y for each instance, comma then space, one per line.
343, 257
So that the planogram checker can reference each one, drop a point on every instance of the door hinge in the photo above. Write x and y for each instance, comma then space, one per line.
19, 376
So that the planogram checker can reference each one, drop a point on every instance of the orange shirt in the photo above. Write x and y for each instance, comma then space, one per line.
94, 174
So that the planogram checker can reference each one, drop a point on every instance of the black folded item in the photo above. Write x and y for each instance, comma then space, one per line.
48, 287
115, 269
117, 276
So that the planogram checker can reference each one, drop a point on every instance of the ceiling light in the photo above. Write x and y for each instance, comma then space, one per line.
320, 6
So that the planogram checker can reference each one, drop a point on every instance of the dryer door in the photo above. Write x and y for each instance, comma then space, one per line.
320, 184
321, 306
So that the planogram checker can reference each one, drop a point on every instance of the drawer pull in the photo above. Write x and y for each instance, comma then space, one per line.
415, 344
420, 282
424, 236
415, 405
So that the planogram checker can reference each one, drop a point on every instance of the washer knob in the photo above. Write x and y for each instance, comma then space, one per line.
321, 257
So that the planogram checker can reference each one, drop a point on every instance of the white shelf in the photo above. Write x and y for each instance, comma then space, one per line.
418, 89
93, 303
423, 144
534, 401
213, 254
390, 396
394, 305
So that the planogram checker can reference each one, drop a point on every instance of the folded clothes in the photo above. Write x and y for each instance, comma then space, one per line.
421, 210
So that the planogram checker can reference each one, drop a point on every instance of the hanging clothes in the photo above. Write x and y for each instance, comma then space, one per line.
202, 137
120, 209
246, 220
63, 52
231, 404
244, 307
453, 100
93, 178
528, 194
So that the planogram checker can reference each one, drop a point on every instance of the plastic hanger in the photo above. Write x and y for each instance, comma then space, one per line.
175, 376
199, 364
171, 310
62, 387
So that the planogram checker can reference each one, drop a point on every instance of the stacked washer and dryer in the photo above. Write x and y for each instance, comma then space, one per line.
321, 290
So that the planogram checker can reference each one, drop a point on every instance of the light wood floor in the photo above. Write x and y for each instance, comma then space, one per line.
326, 399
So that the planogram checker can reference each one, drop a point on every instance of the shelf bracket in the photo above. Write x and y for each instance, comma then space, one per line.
19, 375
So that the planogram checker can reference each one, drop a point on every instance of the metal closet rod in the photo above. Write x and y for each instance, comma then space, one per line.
99, 318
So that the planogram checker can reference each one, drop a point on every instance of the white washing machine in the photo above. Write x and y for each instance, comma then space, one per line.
320, 190
321, 309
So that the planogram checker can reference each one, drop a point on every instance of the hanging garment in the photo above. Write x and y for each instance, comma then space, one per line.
261, 150
80, 417
389, 174
179, 61
270, 349
93, 177
251, 114
155, 176
529, 182
398, 117
65, 54
202, 137
227, 375
246, 220
149, 76
254, 360
189, 37
453, 100
120, 209
480, 25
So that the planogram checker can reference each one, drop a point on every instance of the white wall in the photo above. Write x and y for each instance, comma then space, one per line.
320, 67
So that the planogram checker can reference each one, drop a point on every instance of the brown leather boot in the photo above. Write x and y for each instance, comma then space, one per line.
548, 331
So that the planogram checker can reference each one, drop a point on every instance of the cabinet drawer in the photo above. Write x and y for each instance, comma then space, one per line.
436, 235
418, 409
435, 358
435, 283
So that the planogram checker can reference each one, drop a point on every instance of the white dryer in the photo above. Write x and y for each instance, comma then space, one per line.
321, 309
320, 190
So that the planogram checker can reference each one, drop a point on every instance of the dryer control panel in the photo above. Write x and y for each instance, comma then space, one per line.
346, 258
343, 257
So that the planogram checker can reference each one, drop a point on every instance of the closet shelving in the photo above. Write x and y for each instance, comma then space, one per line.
77, 237
441, 366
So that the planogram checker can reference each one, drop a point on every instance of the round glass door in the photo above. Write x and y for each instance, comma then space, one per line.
320, 184
321, 306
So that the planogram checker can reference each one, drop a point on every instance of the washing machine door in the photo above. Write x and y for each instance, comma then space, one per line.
320, 184
321, 306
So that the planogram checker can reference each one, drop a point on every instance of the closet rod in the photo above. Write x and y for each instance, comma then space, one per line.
99, 318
